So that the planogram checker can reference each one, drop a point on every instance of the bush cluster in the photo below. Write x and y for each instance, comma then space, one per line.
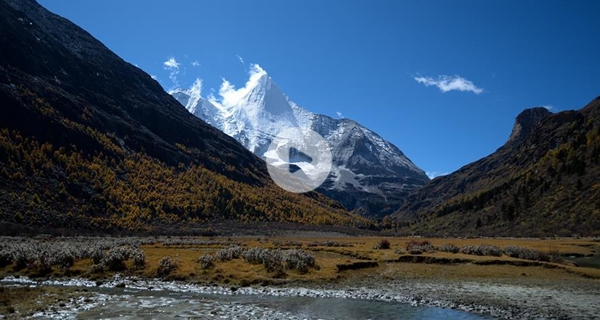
114, 259
329, 243
207, 261
231, 252
271, 259
287, 243
297, 259
182, 241
262, 256
448, 247
481, 250
44, 253
526, 253
418, 247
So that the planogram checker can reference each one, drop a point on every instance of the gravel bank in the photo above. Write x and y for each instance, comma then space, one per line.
507, 299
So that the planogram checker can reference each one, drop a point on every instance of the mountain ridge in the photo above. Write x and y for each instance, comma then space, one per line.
541, 182
369, 173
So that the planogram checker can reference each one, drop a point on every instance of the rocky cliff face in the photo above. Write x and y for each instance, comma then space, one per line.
368, 173
525, 122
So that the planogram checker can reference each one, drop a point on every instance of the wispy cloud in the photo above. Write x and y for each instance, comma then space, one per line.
241, 59
339, 114
549, 107
153, 77
449, 83
171, 63
195, 64
434, 174
173, 67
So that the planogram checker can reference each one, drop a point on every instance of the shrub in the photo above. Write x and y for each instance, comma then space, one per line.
115, 258
481, 250
97, 254
273, 260
166, 265
382, 244
448, 248
20, 258
298, 259
139, 258
229, 253
65, 260
207, 261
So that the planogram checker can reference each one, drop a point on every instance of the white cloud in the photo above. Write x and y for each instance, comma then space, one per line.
196, 88
195, 64
449, 83
339, 114
434, 174
153, 77
228, 95
548, 107
173, 67
171, 64
241, 59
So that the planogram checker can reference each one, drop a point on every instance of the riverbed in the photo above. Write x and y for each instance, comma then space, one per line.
127, 298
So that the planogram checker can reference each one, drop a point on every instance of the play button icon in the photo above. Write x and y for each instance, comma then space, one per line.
298, 160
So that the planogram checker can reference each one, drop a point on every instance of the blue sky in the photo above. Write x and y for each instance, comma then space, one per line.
442, 80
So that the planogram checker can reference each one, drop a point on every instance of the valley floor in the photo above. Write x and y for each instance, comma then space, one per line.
498, 285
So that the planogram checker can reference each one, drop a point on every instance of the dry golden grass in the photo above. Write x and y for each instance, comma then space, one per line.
240, 272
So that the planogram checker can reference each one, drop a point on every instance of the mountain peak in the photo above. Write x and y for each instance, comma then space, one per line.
264, 94
259, 79
526, 121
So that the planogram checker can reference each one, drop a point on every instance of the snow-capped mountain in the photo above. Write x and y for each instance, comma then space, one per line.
199, 106
368, 172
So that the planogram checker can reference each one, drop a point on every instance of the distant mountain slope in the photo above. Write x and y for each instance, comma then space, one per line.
90, 141
368, 173
544, 181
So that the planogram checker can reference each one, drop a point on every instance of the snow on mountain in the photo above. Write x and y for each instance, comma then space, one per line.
192, 100
368, 172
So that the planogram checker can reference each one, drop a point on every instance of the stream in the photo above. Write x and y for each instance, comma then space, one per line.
144, 299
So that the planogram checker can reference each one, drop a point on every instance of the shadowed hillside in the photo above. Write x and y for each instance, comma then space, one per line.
543, 181
88, 141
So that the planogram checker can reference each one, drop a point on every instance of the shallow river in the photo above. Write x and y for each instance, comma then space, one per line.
135, 304
142, 299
